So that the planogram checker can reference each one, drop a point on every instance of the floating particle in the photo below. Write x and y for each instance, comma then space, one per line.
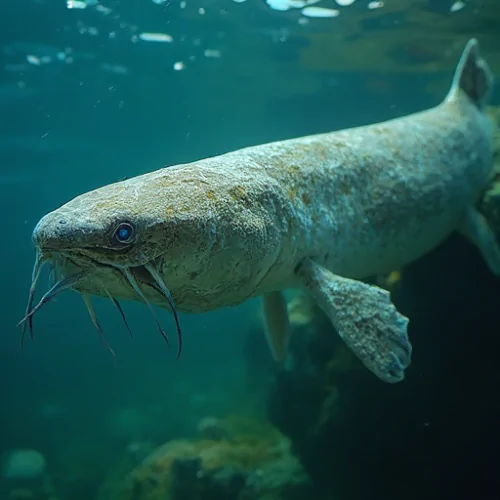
103, 10
283, 5
76, 4
457, 6
280, 5
117, 69
201, 11
156, 37
212, 53
299, 4
344, 3
320, 12
375, 5
183, 4
159, 2
239, 1
179, 65
31, 59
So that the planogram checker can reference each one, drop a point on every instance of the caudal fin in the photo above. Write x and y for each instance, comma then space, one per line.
473, 76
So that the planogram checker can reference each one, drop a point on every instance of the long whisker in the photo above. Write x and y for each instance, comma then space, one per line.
135, 286
95, 321
57, 270
37, 267
59, 287
120, 310
159, 280
52, 276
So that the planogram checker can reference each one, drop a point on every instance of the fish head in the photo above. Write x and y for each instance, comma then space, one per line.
100, 227
110, 242
187, 227
113, 234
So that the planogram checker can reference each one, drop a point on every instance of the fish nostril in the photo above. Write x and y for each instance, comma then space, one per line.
50, 231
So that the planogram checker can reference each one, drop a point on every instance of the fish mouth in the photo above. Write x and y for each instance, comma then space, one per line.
70, 269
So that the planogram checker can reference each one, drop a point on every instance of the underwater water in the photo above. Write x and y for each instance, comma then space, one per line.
92, 92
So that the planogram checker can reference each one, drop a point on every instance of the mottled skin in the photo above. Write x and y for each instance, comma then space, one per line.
352, 203
360, 201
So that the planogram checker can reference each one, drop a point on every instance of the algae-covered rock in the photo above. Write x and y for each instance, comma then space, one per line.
28, 465
489, 205
213, 428
246, 461
24, 476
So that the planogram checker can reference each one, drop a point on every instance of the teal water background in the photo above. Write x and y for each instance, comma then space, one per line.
120, 109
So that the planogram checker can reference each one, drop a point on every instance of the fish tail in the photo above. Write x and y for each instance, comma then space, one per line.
473, 76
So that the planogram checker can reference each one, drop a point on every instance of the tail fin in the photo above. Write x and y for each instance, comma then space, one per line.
472, 76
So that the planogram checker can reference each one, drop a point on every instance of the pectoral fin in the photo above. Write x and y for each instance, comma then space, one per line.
364, 317
476, 229
276, 324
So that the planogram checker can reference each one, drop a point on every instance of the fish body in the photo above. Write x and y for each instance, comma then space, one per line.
319, 213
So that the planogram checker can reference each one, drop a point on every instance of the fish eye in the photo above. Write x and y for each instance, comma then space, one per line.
124, 233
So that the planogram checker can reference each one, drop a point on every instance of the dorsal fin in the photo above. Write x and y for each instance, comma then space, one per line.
473, 76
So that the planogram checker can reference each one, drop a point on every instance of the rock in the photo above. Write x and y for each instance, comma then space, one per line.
252, 461
212, 428
186, 478
489, 205
23, 465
